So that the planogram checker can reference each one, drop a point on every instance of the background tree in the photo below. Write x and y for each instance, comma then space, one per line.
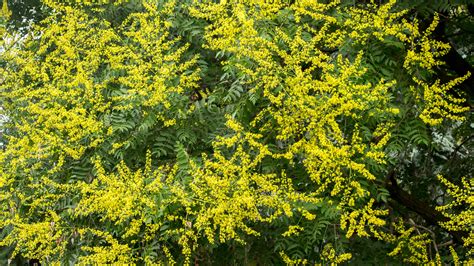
219, 132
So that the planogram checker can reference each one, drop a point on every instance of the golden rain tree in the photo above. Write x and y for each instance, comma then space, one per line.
235, 132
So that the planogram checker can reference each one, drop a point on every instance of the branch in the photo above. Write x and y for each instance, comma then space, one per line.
433, 235
454, 60
431, 215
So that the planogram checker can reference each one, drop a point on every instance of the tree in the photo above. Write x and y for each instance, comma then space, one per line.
214, 133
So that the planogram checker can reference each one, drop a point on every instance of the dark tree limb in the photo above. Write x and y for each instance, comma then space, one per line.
431, 215
454, 60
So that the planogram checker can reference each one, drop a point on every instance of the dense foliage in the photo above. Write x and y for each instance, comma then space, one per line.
236, 132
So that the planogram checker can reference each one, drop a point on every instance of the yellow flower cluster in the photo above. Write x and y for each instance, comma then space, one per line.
121, 198
377, 21
288, 261
411, 244
425, 51
329, 255
439, 104
358, 221
97, 3
136, 201
306, 111
293, 230
63, 88
55, 88
229, 192
5, 13
113, 253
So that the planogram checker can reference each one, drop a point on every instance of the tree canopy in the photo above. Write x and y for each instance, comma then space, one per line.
236, 132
